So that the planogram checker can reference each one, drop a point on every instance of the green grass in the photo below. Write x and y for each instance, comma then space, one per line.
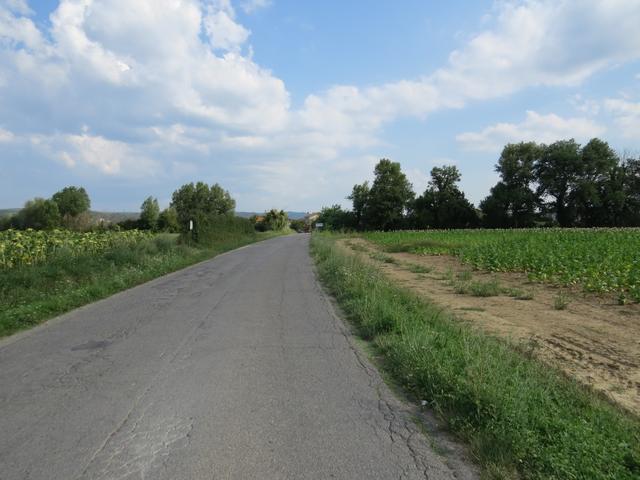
381, 257
415, 268
521, 418
30, 294
561, 301
357, 247
518, 293
602, 260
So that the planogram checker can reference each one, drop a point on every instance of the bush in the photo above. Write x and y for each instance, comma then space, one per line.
209, 230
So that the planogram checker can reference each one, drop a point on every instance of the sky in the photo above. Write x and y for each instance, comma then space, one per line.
289, 103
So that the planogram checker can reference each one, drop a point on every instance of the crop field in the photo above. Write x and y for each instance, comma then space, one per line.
29, 247
598, 260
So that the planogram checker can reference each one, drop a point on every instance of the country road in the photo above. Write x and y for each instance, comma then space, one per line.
237, 368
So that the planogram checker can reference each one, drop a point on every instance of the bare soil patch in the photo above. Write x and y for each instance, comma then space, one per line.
590, 338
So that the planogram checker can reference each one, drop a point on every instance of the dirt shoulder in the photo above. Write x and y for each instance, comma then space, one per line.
589, 338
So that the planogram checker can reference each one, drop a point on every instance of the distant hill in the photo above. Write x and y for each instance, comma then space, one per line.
291, 215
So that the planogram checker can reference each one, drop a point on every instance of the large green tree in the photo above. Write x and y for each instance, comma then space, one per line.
512, 201
558, 172
443, 204
335, 218
193, 200
168, 220
389, 197
149, 213
359, 198
39, 214
596, 178
72, 201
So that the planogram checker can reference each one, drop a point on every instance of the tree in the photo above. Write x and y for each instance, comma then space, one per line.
335, 218
192, 200
168, 221
72, 201
558, 170
599, 164
39, 214
627, 199
149, 213
360, 198
512, 201
276, 220
388, 198
298, 225
443, 204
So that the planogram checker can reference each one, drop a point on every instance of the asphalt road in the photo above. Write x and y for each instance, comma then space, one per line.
236, 368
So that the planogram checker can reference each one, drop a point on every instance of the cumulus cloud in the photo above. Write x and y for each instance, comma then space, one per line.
89, 152
250, 6
223, 31
536, 127
175, 81
626, 116
530, 43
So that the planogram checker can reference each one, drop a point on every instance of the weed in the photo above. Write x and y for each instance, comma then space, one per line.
518, 293
357, 247
464, 276
415, 268
489, 288
381, 257
561, 301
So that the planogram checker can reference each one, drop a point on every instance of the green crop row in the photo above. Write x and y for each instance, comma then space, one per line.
603, 260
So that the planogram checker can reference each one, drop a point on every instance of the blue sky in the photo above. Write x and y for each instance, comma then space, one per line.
287, 104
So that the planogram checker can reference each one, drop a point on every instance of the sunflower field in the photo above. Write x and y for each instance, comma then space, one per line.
29, 247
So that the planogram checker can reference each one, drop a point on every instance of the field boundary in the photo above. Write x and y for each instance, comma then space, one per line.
521, 419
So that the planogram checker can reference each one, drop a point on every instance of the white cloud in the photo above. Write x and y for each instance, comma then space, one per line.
250, 6
532, 43
174, 80
109, 157
223, 31
536, 127
6, 135
626, 116
18, 6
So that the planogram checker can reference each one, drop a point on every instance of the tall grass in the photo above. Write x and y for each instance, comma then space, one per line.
522, 419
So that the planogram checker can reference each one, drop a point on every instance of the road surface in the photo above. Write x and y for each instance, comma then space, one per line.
235, 368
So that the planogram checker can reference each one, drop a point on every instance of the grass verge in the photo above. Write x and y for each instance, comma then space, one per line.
30, 295
522, 419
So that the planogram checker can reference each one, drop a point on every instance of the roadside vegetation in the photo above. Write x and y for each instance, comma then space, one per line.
521, 418
58, 260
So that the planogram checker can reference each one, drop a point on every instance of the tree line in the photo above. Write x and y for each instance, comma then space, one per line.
561, 184
200, 203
